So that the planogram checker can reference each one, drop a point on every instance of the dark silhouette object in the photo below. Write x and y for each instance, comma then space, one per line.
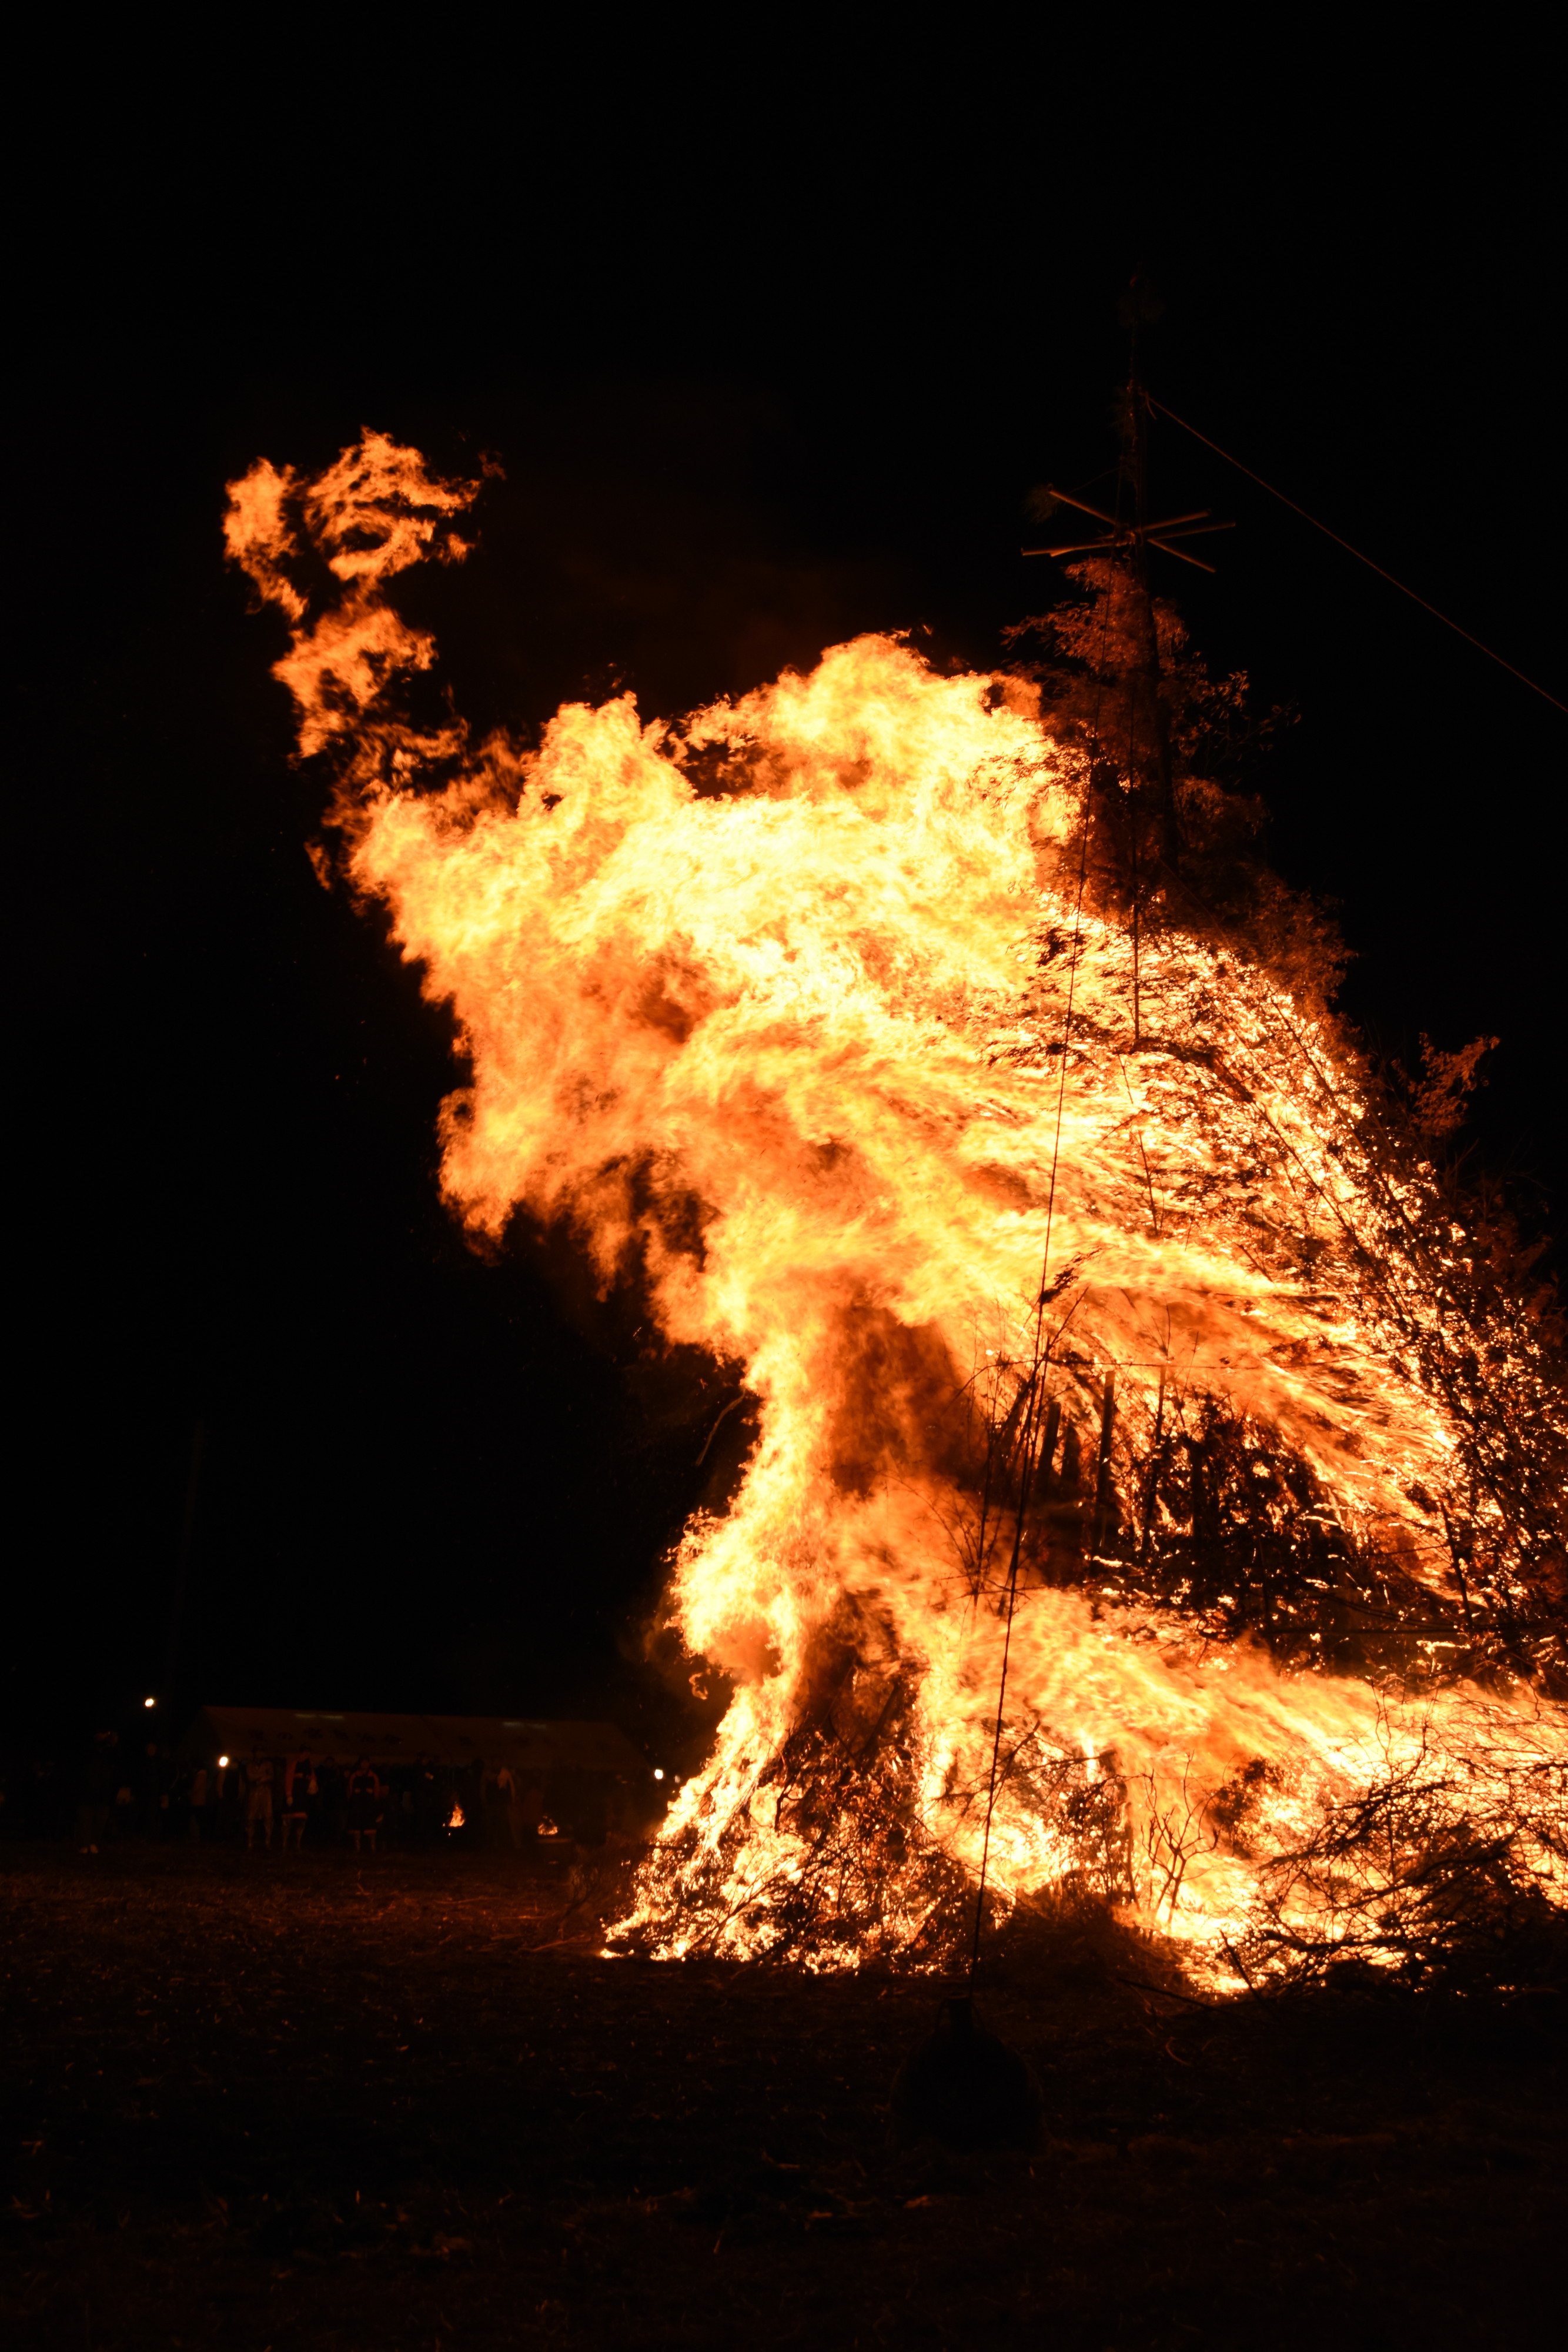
499, 1791
966, 2087
99, 1775
186, 1552
365, 1796
300, 1792
259, 1775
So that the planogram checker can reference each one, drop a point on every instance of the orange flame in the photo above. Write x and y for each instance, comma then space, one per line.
769, 1008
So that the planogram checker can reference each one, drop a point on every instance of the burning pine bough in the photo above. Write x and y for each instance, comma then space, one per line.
1095, 1302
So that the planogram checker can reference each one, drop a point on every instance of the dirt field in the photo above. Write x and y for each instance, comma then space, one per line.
258, 2102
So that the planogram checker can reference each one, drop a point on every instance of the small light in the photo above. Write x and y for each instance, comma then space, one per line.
658, 1774
149, 1702
223, 1762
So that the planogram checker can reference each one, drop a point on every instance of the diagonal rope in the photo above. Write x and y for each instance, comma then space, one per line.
1038, 1359
1426, 607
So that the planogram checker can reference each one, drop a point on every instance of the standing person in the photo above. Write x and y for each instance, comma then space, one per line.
364, 1803
230, 1806
299, 1787
99, 1776
259, 1774
499, 1788
196, 1801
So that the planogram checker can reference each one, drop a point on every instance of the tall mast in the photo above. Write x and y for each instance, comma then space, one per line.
1129, 544
1153, 714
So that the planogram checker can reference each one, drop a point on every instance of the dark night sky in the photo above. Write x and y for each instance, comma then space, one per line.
757, 383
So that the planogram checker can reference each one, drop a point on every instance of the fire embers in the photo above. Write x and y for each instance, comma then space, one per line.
847, 1842
1075, 1805
1180, 1505
1211, 1516
1445, 1864
826, 1852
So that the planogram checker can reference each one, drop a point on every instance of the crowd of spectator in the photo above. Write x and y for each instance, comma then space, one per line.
125, 1789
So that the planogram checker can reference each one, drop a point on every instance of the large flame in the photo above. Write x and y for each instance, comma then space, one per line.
793, 1012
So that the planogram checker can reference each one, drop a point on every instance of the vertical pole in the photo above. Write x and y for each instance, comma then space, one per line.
1151, 1483
1102, 1474
1149, 665
182, 1558
1048, 1446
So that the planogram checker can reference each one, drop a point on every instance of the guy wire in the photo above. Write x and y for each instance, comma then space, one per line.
1545, 693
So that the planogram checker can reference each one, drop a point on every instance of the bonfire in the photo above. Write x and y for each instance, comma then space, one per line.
1157, 1497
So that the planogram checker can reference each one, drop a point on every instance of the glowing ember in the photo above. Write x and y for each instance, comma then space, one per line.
771, 1008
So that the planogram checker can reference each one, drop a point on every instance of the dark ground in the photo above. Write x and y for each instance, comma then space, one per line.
259, 2104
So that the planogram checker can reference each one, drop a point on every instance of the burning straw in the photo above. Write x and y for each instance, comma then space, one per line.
797, 1013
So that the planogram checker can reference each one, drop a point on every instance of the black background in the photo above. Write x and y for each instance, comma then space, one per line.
771, 350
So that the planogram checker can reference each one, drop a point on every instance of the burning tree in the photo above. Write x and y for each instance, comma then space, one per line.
1101, 1307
